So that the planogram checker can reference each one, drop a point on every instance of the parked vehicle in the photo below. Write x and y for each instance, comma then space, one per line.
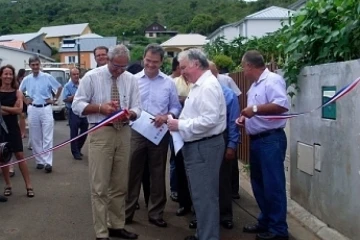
62, 75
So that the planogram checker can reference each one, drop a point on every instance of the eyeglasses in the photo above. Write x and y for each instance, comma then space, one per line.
118, 66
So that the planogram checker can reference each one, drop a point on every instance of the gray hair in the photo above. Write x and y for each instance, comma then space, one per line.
155, 49
34, 58
118, 51
195, 54
254, 58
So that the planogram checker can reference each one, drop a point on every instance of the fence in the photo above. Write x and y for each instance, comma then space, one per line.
244, 85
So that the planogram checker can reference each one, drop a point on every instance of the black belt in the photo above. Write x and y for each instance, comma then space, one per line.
265, 134
39, 105
205, 138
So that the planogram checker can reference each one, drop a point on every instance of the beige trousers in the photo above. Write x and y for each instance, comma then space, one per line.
108, 172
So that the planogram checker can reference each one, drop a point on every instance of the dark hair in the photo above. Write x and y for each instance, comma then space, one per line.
254, 58
175, 64
34, 59
155, 49
135, 68
101, 48
14, 83
20, 74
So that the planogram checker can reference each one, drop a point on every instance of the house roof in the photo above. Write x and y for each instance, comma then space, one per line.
89, 44
64, 30
219, 29
297, 4
24, 37
272, 12
13, 44
191, 39
91, 35
28, 52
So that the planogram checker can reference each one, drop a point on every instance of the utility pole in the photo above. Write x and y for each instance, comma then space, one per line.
78, 51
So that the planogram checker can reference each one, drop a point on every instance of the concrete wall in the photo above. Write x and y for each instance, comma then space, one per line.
325, 179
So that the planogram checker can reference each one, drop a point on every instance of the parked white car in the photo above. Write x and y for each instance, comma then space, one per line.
61, 75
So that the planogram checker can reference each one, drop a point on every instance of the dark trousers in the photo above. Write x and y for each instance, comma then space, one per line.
235, 186
267, 155
225, 191
146, 182
184, 197
78, 126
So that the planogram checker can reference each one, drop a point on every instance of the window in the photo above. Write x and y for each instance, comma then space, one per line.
38, 51
71, 59
151, 34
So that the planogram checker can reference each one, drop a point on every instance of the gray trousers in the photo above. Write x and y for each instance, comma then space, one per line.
202, 163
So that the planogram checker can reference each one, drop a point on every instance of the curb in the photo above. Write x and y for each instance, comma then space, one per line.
305, 218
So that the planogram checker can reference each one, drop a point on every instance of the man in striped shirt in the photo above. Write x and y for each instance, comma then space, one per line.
109, 146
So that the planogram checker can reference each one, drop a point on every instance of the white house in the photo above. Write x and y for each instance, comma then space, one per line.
255, 25
182, 42
18, 57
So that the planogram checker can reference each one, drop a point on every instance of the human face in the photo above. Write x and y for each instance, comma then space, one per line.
152, 64
75, 75
35, 67
188, 70
101, 57
7, 76
118, 65
248, 70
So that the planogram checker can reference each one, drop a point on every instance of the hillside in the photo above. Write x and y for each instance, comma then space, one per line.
115, 17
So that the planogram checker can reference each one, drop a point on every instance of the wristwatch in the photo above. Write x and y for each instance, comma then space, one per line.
254, 109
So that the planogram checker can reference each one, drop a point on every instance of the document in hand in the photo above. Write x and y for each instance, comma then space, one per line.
145, 126
177, 139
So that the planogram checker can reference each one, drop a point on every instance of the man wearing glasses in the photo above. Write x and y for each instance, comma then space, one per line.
102, 92
39, 87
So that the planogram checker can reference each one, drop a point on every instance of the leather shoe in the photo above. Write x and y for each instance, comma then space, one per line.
158, 222
235, 196
270, 236
39, 166
228, 224
193, 224
122, 233
182, 211
102, 238
128, 220
77, 157
48, 168
254, 228
191, 238
3, 199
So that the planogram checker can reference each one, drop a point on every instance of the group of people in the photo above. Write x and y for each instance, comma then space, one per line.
195, 101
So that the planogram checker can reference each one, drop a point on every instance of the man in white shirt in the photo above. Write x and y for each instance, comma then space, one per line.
201, 125
226, 81
102, 92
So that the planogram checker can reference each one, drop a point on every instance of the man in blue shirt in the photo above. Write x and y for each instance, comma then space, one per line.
75, 122
39, 87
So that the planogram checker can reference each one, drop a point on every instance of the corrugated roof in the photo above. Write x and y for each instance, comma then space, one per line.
89, 44
64, 30
13, 44
24, 37
272, 12
28, 52
297, 4
91, 35
191, 39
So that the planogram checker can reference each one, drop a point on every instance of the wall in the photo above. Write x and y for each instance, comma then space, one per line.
86, 61
229, 33
53, 42
259, 28
326, 179
38, 45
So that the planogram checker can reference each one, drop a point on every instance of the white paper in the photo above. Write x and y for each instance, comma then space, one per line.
177, 139
145, 126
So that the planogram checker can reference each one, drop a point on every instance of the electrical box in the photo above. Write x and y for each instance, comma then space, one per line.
329, 111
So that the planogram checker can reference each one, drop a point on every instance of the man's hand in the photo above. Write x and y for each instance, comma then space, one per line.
28, 100
230, 154
107, 108
173, 124
160, 120
247, 112
240, 121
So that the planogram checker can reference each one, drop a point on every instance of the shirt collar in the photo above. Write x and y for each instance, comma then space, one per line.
263, 76
203, 77
143, 75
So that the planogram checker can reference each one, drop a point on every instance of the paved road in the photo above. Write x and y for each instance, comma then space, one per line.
61, 208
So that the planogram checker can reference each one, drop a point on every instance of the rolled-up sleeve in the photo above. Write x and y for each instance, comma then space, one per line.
82, 96
135, 101
276, 92
175, 106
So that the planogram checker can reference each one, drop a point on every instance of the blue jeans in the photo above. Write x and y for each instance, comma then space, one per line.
78, 126
173, 176
267, 155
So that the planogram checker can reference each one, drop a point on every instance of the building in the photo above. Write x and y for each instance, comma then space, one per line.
257, 24
157, 30
19, 58
69, 52
14, 44
296, 6
56, 34
183, 42
33, 42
